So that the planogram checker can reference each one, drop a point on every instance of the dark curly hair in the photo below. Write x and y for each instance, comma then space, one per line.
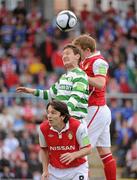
61, 107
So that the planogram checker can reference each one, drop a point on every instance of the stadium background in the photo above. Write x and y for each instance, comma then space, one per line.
30, 55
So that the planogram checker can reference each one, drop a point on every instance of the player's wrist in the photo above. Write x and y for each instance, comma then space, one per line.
36, 92
75, 155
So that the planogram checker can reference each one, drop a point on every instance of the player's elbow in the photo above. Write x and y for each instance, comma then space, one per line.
88, 150
101, 83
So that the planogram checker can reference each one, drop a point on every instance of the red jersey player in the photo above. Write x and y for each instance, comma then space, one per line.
99, 115
64, 144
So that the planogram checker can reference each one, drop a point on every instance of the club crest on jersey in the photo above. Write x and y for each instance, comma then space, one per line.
70, 135
70, 79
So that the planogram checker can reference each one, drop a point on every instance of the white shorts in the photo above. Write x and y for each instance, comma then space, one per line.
98, 123
76, 173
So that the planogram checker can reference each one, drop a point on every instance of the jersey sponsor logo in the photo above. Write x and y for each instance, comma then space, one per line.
80, 87
64, 148
51, 135
66, 87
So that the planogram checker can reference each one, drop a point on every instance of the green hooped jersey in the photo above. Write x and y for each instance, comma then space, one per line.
72, 88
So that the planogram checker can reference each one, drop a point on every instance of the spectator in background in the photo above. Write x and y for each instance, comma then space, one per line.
7, 174
121, 71
3, 11
11, 142
47, 49
113, 86
6, 119
127, 110
123, 85
57, 62
20, 32
111, 11
20, 10
123, 142
23, 172
6, 33
131, 161
132, 121
84, 13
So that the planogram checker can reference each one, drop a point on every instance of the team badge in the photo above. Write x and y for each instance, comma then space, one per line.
70, 135
69, 79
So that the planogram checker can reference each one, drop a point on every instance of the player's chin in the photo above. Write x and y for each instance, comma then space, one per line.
66, 65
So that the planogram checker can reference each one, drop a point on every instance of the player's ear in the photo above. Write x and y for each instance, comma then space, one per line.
62, 117
88, 50
78, 56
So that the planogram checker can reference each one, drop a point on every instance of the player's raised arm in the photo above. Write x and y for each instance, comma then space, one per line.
44, 94
25, 90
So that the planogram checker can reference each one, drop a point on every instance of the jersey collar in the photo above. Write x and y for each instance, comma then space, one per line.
97, 53
63, 130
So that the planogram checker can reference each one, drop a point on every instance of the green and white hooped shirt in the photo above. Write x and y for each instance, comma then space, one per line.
73, 89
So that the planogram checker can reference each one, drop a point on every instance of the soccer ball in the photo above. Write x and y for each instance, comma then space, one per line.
66, 20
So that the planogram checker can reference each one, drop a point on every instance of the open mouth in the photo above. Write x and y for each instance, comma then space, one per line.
50, 121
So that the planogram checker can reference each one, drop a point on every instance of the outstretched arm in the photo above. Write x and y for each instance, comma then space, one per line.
44, 94
25, 90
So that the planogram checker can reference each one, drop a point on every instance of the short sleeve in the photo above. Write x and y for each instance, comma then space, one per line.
82, 136
42, 140
100, 67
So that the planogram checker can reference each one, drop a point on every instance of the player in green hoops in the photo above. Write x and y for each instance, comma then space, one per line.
72, 87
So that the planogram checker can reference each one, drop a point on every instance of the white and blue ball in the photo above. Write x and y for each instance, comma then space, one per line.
66, 20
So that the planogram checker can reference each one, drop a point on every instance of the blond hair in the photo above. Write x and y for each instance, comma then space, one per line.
85, 41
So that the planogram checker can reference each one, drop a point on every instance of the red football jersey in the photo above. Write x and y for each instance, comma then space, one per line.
94, 66
60, 143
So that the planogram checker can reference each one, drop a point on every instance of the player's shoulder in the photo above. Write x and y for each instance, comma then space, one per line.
44, 125
74, 122
78, 71
100, 62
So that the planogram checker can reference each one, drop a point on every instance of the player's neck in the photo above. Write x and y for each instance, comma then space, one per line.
72, 67
88, 54
60, 127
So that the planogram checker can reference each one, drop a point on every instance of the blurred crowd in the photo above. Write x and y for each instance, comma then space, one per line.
30, 55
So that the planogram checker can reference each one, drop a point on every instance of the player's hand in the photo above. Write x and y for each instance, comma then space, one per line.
25, 90
68, 157
45, 175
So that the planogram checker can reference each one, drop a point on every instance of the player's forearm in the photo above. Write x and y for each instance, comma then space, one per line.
45, 159
97, 82
83, 152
